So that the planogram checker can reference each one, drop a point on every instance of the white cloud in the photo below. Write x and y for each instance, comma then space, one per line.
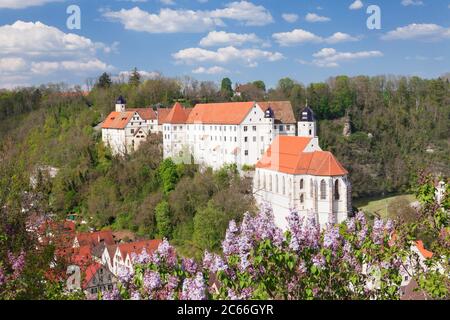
426, 32
190, 21
145, 75
33, 50
222, 38
312, 17
290, 17
249, 57
330, 58
356, 5
299, 36
20, 4
412, 3
211, 70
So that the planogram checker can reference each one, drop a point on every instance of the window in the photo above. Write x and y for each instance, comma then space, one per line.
245, 139
254, 128
284, 185
301, 184
302, 198
254, 139
132, 131
311, 185
336, 190
270, 182
245, 128
323, 190
281, 128
262, 139
288, 127
246, 152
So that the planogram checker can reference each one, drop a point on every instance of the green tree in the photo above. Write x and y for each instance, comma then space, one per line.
260, 85
135, 78
104, 81
210, 225
226, 88
168, 175
162, 215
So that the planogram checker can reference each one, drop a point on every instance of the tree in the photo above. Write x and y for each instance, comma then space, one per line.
260, 85
135, 78
286, 85
226, 88
168, 174
162, 215
104, 81
210, 225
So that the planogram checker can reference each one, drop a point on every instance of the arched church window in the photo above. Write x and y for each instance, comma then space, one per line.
284, 185
312, 188
301, 184
264, 181
323, 190
276, 183
302, 198
270, 182
336, 190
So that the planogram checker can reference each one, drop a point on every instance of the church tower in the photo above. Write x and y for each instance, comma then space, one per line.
121, 104
307, 125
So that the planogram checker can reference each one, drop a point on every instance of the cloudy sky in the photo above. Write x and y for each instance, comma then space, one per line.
308, 40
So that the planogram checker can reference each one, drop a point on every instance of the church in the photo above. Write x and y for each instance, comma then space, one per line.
296, 174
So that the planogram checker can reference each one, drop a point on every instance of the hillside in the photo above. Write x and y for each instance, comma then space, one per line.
394, 123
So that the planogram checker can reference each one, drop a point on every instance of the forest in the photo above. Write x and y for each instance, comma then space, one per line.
399, 125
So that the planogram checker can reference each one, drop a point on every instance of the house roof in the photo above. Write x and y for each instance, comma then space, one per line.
178, 114
136, 247
220, 113
94, 238
282, 109
424, 252
145, 113
162, 114
117, 120
286, 154
90, 272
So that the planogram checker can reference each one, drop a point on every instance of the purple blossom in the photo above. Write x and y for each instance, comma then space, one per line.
114, 294
17, 263
135, 295
245, 294
151, 281
351, 226
189, 265
318, 260
213, 262
165, 252
194, 288
229, 245
244, 263
2, 277
331, 237
378, 231
125, 275
142, 258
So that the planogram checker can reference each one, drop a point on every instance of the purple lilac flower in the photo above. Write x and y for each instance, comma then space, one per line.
318, 260
331, 237
165, 252
135, 295
244, 263
362, 234
351, 226
125, 275
194, 288
389, 226
151, 280
378, 231
229, 245
301, 269
17, 263
114, 294
312, 233
189, 265
142, 258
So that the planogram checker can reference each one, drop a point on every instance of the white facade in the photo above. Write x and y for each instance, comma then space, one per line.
214, 144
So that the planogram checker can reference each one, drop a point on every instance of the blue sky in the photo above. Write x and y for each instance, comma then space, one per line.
307, 40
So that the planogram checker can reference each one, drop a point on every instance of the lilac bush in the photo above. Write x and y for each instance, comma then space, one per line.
352, 260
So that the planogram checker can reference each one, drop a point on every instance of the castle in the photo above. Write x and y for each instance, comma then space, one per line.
292, 172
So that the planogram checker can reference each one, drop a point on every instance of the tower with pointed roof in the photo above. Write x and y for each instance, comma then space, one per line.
121, 104
307, 125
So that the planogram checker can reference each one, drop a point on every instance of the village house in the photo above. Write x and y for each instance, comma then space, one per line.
125, 129
295, 174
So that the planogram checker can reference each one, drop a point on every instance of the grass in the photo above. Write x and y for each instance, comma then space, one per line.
378, 206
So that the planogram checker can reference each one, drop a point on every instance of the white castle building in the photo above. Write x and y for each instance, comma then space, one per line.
217, 134
124, 129
295, 174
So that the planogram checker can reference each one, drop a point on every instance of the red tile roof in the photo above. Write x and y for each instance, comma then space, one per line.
90, 272
94, 238
136, 247
220, 113
117, 120
177, 114
162, 114
424, 252
145, 113
286, 154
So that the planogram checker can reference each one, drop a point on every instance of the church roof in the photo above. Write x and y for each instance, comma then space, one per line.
307, 115
117, 120
282, 109
177, 114
286, 154
121, 100
231, 113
